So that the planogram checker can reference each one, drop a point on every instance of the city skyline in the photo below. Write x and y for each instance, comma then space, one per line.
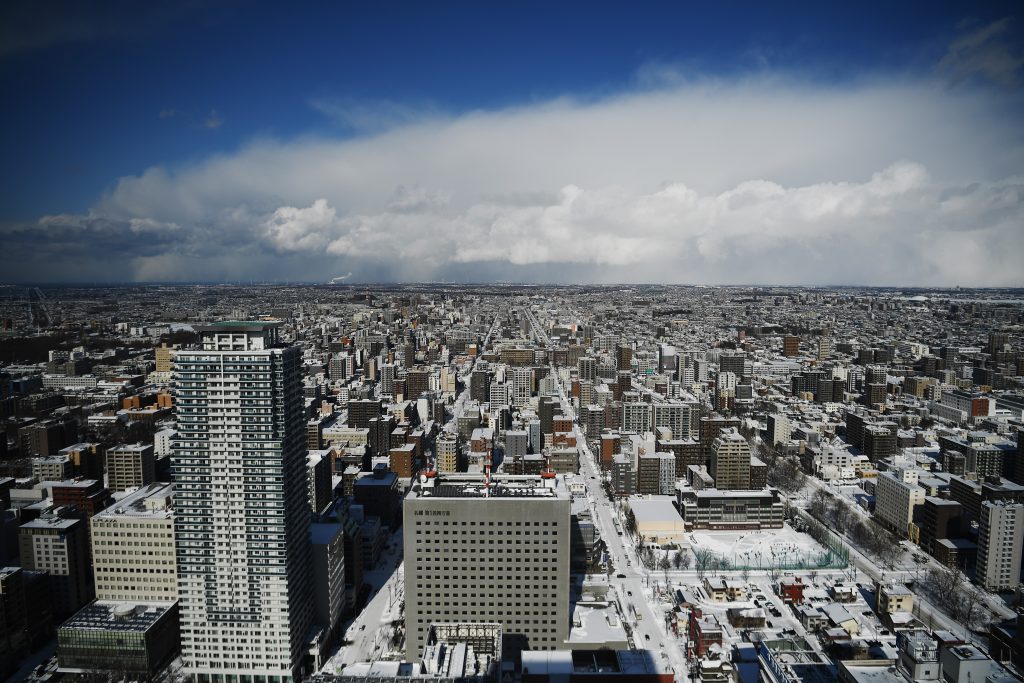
847, 146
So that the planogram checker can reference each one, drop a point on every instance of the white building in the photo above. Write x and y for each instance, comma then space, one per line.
1000, 542
241, 500
896, 494
488, 555
162, 442
522, 386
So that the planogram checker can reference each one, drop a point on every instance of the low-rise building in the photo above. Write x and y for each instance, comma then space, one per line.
717, 509
126, 638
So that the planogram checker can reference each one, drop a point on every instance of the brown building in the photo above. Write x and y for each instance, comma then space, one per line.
517, 357
561, 423
623, 357
59, 546
315, 434
610, 444
88, 496
360, 412
402, 460
86, 459
758, 474
687, 451
790, 345
939, 518
417, 383
710, 426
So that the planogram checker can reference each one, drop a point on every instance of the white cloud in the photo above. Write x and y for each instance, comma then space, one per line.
760, 180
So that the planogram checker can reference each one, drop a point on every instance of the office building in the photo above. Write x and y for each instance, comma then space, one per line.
516, 443
60, 547
87, 496
623, 475
360, 411
939, 519
133, 551
87, 459
500, 553
242, 506
896, 494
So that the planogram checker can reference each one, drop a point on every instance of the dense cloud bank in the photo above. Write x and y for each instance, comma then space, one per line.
748, 181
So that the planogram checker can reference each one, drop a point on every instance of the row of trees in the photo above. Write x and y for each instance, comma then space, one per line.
783, 473
949, 588
869, 536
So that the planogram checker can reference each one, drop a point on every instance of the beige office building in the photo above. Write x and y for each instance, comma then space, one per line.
730, 462
133, 548
479, 556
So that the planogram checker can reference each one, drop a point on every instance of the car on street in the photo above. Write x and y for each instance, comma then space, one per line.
629, 593
620, 576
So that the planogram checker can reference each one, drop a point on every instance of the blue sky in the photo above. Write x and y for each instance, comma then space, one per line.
115, 107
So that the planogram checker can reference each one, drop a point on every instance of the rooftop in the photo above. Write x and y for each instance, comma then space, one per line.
502, 486
154, 501
117, 616
654, 510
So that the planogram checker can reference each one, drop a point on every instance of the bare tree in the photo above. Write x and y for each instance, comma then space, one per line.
702, 558
630, 522
819, 503
665, 564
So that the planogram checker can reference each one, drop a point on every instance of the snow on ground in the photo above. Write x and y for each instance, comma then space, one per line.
784, 545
